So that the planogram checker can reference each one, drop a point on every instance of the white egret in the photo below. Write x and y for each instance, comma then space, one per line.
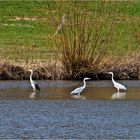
117, 85
34, 84
80, 89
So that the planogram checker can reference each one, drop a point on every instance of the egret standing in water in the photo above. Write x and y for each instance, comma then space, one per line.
117, 85
80, 89
34, 84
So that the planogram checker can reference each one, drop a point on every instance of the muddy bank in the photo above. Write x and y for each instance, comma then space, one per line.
56, 71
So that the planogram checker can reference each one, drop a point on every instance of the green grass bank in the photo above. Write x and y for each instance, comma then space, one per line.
27, 39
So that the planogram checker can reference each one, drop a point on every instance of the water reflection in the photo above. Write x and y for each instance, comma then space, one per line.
79, 97
35, 95
53, 90
119, 95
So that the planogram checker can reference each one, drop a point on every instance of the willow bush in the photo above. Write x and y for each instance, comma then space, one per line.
83, 34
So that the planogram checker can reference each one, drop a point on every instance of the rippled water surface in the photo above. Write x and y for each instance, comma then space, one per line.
100, 112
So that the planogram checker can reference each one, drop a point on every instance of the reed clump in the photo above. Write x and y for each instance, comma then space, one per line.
83, 38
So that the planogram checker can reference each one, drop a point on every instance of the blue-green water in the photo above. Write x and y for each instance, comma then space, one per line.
99, 113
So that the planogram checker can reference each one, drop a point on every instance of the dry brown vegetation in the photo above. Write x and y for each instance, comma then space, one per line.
51, 70
55, 71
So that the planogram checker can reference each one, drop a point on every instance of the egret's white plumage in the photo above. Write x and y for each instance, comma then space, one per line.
34, 84
117, 85
80, 89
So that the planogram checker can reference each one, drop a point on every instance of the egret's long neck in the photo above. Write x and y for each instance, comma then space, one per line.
31, 76
113, 79
84, 83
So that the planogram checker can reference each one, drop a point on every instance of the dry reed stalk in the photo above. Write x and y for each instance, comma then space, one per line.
84, 40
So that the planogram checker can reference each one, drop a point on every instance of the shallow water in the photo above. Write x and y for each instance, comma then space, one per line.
96, 90
53, 113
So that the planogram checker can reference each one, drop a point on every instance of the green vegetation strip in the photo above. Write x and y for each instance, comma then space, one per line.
26, 35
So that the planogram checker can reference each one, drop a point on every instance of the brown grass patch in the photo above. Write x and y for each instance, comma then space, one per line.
55, 71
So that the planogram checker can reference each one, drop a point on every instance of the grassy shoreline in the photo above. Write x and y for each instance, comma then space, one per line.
95, 37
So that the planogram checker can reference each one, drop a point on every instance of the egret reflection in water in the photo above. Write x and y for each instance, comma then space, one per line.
79, 97
118, 95
35, 95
